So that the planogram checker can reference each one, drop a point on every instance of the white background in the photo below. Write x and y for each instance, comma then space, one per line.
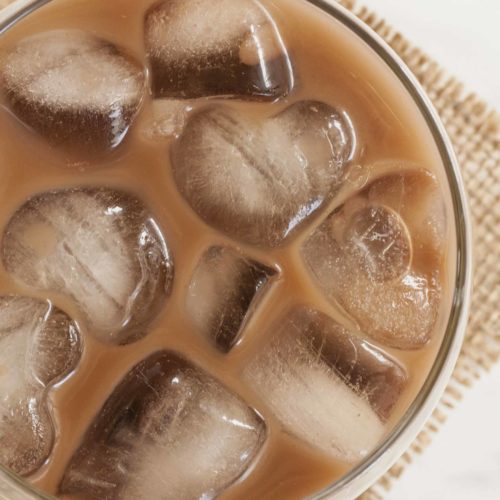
462, 35
463, 461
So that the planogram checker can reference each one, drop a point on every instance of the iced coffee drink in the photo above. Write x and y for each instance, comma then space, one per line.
226, 244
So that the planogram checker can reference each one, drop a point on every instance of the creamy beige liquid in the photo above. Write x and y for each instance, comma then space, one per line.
331, 65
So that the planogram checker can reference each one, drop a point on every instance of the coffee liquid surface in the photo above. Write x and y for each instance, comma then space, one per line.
330, 65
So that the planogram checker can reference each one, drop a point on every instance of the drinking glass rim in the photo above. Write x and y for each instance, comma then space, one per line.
380, 460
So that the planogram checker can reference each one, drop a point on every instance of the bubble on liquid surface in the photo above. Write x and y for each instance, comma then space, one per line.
223, 294
78, 91
39, 344
102, 248
169, 431
379, 256
199, 48
257, 180
326, 386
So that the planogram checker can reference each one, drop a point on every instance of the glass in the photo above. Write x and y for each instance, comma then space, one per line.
380, 460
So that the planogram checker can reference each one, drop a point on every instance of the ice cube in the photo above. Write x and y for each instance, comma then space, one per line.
77, 90
380, 255
168, 431
258, 180
202, 48
39, 344
378, 241
167, 119
99, 246
325, 385
223, 294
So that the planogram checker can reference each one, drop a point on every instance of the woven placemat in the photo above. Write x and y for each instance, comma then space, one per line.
474, 129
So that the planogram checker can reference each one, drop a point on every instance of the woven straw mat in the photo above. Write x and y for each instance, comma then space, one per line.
475, 132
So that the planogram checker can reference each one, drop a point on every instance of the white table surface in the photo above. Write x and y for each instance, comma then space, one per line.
462, 35
463, 461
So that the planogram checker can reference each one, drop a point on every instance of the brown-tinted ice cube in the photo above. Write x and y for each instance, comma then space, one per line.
200, 48
380, 254
223, 293
99, 246
257, 180
166, 119
326, 385
79, 91
168, 431
39, 344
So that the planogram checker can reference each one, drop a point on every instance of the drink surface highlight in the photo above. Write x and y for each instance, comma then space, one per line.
227, 258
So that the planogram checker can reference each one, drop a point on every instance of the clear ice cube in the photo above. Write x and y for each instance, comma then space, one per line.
258, 180
223, 293
325, 385
99, 246
379, 256
79, 91
39, 344
202, 48
168, 431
